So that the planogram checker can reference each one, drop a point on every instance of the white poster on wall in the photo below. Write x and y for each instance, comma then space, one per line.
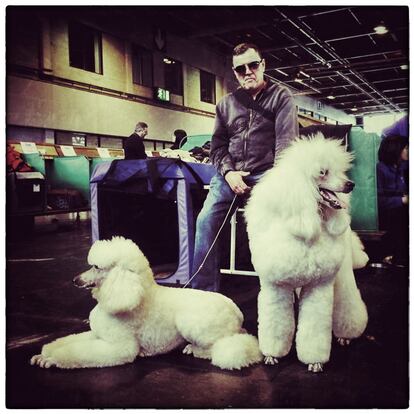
68, 151
29, 148
103, 152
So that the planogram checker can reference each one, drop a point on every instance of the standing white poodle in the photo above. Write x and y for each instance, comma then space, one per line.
299, 234
136, 317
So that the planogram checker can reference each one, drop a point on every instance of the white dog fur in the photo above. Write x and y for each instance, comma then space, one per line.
298, 241
137, 317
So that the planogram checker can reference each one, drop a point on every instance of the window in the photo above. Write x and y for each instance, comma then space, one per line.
23, 37
79, 140
173, 73
207, 87
85, 48
110, 142
304, 111
70, 138
141, 66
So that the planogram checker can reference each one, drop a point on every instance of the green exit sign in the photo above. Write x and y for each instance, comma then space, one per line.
162, 94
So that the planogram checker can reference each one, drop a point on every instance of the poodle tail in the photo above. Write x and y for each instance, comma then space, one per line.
236, 351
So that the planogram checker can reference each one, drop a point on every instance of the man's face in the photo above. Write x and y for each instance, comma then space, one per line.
250, 78
142, 132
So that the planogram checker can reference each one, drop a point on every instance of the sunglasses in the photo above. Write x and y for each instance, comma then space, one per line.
241, 69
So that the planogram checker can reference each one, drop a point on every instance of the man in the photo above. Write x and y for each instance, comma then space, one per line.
244, 145
134, 145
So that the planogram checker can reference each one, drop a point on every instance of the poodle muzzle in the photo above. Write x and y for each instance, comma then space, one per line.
79, 282
330, 199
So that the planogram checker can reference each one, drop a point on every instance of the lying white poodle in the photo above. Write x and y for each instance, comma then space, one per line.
136, 317
299, 234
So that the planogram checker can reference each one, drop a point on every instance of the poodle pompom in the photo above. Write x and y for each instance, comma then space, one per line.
236, 351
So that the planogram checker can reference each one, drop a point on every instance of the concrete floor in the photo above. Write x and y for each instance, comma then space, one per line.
42, 305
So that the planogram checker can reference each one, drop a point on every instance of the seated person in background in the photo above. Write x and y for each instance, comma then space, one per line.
134, 145
392, 187
179, 135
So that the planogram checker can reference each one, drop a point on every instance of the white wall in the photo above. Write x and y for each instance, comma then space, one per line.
376, 123
46, 105
333, 113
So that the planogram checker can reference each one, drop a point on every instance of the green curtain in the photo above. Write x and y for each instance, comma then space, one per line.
70, 172
364, 209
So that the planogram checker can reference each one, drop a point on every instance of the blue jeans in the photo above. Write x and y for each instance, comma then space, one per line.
210, 219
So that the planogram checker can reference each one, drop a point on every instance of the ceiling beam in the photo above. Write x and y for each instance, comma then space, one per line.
231, 27
350, 58
328, 49
333, 40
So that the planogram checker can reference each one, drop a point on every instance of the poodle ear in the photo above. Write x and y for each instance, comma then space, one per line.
337, 222
298, 204
306, 225
121, 291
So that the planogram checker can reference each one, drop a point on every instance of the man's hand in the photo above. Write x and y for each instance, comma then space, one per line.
236, 183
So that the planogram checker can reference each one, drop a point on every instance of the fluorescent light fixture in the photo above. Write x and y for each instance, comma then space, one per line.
168, 61
354, 109
331, 97
281, 71
381, 29
304, 74
404, 67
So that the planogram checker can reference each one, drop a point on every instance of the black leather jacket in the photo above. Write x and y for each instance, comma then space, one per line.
243, 140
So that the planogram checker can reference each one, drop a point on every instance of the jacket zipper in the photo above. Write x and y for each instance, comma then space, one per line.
245, 138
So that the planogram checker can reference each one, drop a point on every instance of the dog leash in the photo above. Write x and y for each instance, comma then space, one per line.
214, 241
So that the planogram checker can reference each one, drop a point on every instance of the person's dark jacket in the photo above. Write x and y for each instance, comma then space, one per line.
134, 148
391, 185
244, 140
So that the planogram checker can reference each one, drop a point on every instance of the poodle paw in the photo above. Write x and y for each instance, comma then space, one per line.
270, 360
316, 367
42, 361
343, 341
144, 353
188, 350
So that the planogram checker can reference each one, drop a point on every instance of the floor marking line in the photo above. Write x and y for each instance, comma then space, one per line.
32, 260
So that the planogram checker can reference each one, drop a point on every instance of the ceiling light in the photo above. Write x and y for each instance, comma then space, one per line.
304, 74
281, 71
354, 109
168, 61
404, 67
381, 29
331, 97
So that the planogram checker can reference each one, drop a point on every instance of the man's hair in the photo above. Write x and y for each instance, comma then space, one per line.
243, 47
390, 149
141, 125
